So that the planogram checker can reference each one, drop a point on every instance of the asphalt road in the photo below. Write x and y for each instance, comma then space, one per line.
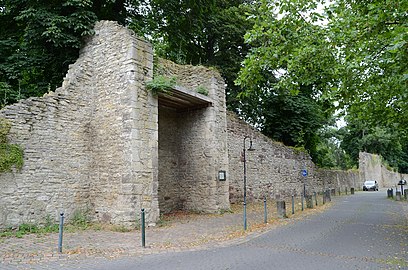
361, 231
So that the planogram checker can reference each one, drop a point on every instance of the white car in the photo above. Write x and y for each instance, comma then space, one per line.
370, 185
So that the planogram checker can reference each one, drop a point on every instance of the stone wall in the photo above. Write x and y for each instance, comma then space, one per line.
339, 180
274, 170
192, 145
105, 146
51, 131
169, 145
102, 145
123, 121
372, 168
91, 145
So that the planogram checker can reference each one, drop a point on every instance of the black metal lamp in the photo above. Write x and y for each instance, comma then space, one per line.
245, 178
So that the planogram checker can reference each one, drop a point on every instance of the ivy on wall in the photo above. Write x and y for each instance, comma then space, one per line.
10, 154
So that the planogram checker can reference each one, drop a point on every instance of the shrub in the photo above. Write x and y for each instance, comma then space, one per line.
10, 154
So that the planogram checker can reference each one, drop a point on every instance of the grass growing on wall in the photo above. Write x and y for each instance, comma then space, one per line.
161, 84
10, 154
202, 90
298, 150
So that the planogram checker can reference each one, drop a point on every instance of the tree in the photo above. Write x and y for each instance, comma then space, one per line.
41, 38
292, 119
377, 140
353, 56
329, 153
38, 42
284, 90
288, 43
371, 38
372, 41
206, 32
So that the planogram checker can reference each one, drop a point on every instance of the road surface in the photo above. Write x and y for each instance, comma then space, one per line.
361, 231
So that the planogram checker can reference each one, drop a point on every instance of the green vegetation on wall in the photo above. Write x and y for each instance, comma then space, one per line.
10, 154
202, 90
161, 84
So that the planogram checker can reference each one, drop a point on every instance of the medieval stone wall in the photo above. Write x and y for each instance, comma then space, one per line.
89, 146
124, 124
274, 170
104, 145
372, 168
339, 180
93, 144
169, 149
51, 132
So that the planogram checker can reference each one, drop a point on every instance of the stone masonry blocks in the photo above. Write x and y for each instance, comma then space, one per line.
103, 145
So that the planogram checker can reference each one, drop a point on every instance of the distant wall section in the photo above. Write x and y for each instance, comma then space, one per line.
275, 170
372, 168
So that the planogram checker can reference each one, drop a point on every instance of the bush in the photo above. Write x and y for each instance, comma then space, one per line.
10, 154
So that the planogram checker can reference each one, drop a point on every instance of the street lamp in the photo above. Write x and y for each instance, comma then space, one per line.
245, 180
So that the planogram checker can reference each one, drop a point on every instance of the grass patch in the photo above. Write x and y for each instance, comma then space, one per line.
202, 90
29, 228
161, 84
79, 222
226, 211
25, 229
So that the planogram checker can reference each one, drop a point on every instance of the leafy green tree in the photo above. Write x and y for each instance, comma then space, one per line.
284, 90
329, 153
38, 42
372, 41
206, 32
371, 37
291, 119
41, 38
377, 140
353, 55
288, 43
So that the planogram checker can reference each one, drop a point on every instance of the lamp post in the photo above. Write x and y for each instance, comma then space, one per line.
245, 179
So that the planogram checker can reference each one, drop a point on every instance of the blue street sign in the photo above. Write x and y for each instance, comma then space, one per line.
304, 172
